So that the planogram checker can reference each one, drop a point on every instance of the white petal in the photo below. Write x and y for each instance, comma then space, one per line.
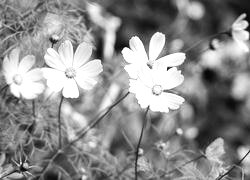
66, 53
242, 45
166, 101
240, 25
70, 89
8, 70
26, 64
241, 35
30, 90
145, 75
14, 57
240, 18
55, 78
138, 48
142, 93
129, 55
85, 82
90, 69
14, 89
132, 70
53, 60
156, 45
168, 79
82, 54
34, 75
170, 60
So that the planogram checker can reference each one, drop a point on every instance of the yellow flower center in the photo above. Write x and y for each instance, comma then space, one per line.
70, 73
18, 79
157, 90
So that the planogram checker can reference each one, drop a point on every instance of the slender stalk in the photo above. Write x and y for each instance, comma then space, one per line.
3, 88
232, 168
95, 122
139, 142
206, 38
34, 108
59, 123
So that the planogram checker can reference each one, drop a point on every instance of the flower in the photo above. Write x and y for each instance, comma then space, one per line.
152, 88
23, 81
68, 70
238, 32
136, 55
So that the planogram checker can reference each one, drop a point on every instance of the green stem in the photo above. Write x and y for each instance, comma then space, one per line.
59, 123
139, 142
95, 122
232, 168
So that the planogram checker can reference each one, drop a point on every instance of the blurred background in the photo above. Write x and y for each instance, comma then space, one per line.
216, 71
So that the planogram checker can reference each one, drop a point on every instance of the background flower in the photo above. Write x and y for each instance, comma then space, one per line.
24, 82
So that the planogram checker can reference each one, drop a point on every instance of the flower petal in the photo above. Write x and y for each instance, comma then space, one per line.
85, 82
132, 70
70, 89
170, 60
240, 18
168, 79
30, 90
242, 45
26, 64
156, 45
34, 75
55, 78
82, 54
53, 60
14, 89
240, 25
8, 70
129, 55
137, 46
145, 75
241, 35
66, 53
14, 57
91, 69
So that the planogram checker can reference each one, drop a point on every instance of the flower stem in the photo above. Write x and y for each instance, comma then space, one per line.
211, 37
95, 122
34, 108
232, 168
139, 142
3, 88
59, 123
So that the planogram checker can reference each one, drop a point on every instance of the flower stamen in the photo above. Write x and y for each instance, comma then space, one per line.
18, 79
157, 90
70, 73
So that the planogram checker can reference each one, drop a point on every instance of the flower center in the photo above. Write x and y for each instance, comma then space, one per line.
70, 73
150, 64
18, 79
157, 90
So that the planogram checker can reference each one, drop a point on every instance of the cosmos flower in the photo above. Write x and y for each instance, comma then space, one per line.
239, 34
152, 89
68, 70
24, 82
137, 57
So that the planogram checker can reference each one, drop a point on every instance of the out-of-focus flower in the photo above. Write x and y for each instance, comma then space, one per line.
24, 82
238, 32
108, 23
193, 9
191, 132
53, 26
68, 70
151, 89
241, 85
137, 57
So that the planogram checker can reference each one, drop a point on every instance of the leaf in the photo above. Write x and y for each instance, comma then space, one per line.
215, 150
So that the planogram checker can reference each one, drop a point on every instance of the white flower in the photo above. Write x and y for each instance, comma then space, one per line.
137, 57
151, 88
239, 34
68, 70
23, 81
